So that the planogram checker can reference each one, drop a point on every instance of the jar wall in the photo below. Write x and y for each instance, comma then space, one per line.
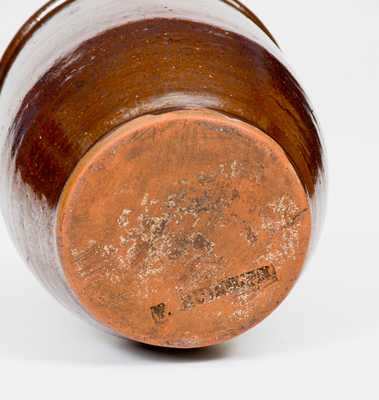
80, 69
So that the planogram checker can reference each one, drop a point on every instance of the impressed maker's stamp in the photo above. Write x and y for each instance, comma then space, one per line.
255, 280
160, 313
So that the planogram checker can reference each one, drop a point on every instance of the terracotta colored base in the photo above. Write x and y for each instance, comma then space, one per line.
183, 229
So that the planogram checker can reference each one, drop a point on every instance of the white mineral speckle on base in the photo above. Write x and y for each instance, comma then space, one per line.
145, 199
123, 219
282, 218
234, 166
109, 249
243, 299
240, 314
123, 240
290, 241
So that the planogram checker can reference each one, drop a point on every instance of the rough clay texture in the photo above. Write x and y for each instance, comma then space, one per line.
183, 229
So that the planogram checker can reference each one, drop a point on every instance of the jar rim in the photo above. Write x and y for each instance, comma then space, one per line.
53, 7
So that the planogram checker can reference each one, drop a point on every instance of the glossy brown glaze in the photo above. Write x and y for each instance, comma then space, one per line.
53, 7
149, 66
164, 64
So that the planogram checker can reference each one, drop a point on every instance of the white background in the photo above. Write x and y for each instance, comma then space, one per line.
323, 341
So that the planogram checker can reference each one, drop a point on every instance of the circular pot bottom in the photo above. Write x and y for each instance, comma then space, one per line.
183, 229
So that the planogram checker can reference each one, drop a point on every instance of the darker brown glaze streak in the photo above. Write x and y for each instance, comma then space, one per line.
134, 69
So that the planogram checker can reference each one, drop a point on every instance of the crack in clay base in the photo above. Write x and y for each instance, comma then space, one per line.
183, 229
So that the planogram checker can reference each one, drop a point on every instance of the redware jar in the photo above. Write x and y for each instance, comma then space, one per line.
161, 168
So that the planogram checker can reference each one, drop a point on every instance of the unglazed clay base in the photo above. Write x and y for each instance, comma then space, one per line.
183, 229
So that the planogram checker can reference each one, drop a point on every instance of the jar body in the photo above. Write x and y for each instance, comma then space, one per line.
138, 140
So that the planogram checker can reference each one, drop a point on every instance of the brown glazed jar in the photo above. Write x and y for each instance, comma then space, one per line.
161, 168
